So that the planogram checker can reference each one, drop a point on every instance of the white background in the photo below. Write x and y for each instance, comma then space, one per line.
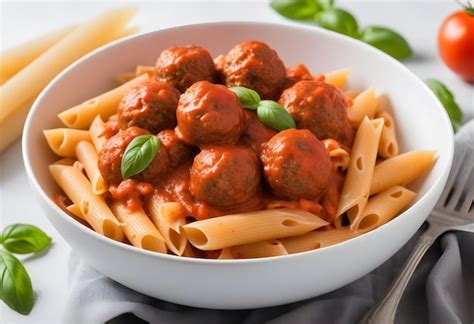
418, 21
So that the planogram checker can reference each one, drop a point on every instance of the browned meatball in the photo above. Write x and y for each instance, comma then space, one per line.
150, 105
321, 108
296, 165
256, 133
209, 114
178, 151
255, 65
183, 66
110, 159
225, 176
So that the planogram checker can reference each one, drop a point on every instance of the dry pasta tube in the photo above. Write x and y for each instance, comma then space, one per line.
388, 146
340, 158
168, 218
337, 78
105, 105
87, 155
317, 239
359, 175
11, 127
270, 248
139, 229
95, 132
362, 105
94, 208
401, 169
63, 141
382, 207
231, 230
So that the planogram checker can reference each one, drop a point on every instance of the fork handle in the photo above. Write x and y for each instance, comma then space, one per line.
384, 311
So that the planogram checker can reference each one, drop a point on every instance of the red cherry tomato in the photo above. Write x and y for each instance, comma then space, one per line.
456, 43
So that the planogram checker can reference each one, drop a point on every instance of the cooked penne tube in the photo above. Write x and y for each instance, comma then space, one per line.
75, 210
66, 161
364, 104
382, 207
144, 69
12, 126
63, 141
231, 230
94, 208
401, 169
359, 175
388, 146
383, 104
340, 159
139, 229
105, 105
87, 155
337, 78
188, 251
124, 77
351, 93
168, 218
317, 239
95, 132
226, 254
262, 249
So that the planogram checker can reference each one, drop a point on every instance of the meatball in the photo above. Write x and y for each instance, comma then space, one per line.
298, 73
256, 66
150, 105
296, 165
321, 108
110, 159
256, 133
209, 114
225, 176
183, 66
178, 151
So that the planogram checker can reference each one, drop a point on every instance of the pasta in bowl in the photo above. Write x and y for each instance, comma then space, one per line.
199, 157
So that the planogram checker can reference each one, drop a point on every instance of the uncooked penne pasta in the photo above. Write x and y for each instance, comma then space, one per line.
264, 249
168, 218
359, 175
388, 146
401, 169
364, 104
139, 229
317, 239
95, 132
105, 105
337, 78
12, 126
231, 230
63, 141
94, 208
340, 159
382, 207
87, 155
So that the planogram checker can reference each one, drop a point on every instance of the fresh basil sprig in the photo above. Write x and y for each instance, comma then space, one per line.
139, 154
248, 98
338, 20
448, 101
274, 115
387, 40
24, 238
295, 9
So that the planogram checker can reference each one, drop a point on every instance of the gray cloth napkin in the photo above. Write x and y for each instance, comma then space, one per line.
441, 291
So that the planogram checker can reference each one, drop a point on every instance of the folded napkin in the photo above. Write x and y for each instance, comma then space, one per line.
441, 291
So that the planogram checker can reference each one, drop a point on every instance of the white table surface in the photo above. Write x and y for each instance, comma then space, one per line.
418, 21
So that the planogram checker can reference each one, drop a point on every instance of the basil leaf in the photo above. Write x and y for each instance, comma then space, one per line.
139, 154
274, 115
338, 20
248, 98
15, 285
388, 41
325, 4
295, 9
24, 238
448, 101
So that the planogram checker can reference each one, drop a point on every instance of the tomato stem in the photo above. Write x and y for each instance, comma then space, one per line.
468, 8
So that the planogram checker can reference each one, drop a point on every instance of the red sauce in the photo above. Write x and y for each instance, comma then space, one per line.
132, 192
111, 128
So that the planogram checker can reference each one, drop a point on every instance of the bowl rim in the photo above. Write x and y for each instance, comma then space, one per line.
173, 258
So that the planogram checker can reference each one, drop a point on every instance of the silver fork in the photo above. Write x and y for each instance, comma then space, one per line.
453, 211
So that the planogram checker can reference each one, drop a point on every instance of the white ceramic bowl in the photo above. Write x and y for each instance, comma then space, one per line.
421, 124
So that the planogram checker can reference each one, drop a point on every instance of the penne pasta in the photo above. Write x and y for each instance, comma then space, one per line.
144, 69
317, 239
401, 170
337, 78
63, 141
231, 230
66, 161
188, 251
75, 210
12, 126
168, 218
388, 146
359, 175
95, 132
364, 104
124, 77
262, 249
351, 93
105, 105
93, 208
139, 229
340, 158
226, 254
87, 155
382, 207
